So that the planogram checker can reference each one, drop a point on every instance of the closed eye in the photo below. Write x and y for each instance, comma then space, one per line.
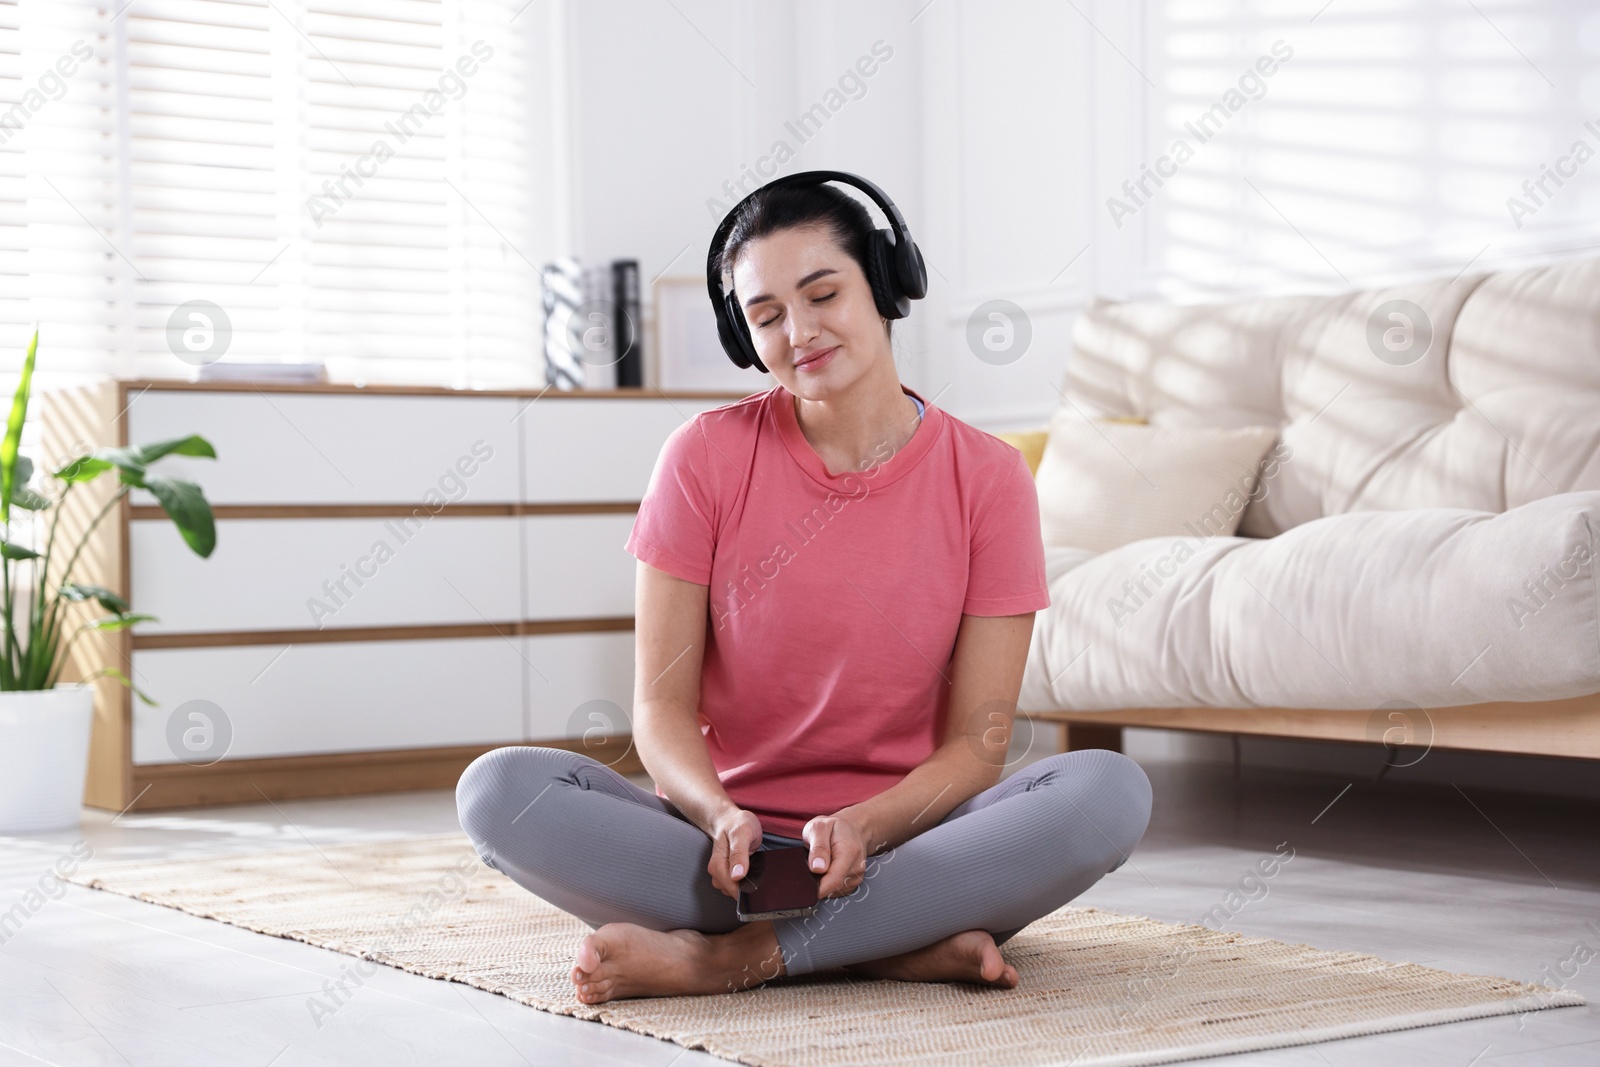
775, 318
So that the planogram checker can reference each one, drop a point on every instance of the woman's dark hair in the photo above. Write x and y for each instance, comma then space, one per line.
840, 215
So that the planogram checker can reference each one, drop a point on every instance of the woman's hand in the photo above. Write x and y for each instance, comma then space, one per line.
734, 836
838, 853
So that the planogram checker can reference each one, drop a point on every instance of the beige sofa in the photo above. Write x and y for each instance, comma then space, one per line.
1431, 485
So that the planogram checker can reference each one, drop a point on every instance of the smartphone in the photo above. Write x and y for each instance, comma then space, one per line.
778, 885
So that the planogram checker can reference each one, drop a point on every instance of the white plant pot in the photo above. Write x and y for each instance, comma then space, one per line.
44, 756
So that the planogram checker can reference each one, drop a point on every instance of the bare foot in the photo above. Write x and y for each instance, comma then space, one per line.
970, 956
627, 960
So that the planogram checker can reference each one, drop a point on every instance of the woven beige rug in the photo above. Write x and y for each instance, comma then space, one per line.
1097, 988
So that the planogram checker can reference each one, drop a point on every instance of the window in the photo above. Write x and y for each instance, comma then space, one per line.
344, 179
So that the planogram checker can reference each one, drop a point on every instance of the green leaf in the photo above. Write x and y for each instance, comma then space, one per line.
123, 678
186, 506
106, 598
120, 622
83, 469
119, 457
131, 462
128, 461
9, 466
27, 498
15, 551
193, 445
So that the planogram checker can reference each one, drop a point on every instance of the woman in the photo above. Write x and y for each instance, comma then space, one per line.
836, 589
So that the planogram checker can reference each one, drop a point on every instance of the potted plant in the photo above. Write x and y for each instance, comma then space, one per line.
44, 722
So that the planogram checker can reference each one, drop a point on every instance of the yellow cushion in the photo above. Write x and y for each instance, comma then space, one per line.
1031, 442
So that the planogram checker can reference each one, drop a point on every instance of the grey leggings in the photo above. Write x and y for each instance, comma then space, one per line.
582, 837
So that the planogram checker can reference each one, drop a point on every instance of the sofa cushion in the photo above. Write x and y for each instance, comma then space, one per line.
1202, 365
1104, 483
1364, 433
1495, 401
1436, 606
1526, 349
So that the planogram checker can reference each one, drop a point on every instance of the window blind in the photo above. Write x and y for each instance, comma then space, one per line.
58, 194
344, 179
13, 184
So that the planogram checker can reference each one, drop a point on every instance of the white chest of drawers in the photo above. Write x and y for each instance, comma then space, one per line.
404, 578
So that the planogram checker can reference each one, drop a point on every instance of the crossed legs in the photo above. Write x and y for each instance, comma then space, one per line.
584, 838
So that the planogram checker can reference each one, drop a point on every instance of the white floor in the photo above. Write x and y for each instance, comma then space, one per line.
1467, 880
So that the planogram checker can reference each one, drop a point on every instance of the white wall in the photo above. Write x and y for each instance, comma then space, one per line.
1010, 128
676, 111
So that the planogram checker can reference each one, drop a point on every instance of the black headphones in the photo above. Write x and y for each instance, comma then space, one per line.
895, 270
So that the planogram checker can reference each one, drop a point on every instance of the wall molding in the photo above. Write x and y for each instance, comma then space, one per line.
1041, 301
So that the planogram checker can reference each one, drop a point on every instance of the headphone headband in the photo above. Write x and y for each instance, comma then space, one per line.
895, 269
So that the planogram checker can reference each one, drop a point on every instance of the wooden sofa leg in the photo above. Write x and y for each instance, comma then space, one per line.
1076, 736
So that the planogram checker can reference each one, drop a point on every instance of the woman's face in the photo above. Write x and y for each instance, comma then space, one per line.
810, 311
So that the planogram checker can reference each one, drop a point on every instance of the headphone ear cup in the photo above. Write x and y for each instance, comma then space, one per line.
728, 334
732, 321
913, 273
881, 277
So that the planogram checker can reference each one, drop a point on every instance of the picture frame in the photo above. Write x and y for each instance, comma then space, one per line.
689, 355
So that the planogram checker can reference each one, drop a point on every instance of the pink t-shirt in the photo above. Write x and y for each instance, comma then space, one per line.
834, 599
